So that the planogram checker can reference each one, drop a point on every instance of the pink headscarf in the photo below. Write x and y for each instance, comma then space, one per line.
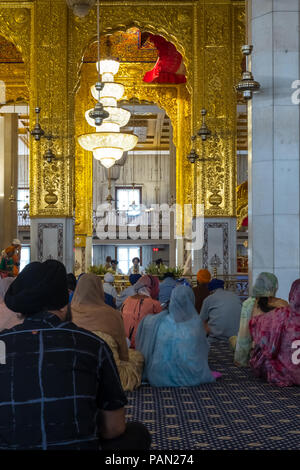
150, 283
294, 296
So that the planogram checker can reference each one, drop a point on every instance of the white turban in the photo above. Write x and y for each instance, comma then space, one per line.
109, 277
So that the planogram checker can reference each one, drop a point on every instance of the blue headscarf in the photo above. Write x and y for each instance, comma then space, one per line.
165, 289
174, 344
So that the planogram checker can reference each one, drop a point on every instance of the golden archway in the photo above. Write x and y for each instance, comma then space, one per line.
174, 99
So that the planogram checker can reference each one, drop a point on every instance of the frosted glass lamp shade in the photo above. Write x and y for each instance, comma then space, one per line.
117, 116
107, 139
108, 66
110, 90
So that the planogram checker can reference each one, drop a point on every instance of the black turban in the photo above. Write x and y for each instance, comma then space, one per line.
38, 287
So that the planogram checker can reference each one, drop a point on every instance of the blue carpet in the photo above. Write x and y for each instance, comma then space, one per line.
237, 412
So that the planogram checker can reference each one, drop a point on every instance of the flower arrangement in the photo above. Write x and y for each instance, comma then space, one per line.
159, 271
100, 270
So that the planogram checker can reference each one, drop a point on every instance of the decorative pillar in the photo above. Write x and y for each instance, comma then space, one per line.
172, 186
8, 178
83, 254
274, 235
221, 33
52, 89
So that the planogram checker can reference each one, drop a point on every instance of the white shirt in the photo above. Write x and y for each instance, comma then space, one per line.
140, 268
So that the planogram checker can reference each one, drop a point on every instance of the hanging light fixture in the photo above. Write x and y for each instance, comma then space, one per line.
204, 132
247, 85
107, 144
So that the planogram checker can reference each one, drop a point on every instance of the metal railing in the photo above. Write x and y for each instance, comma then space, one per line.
237, 283
23, 218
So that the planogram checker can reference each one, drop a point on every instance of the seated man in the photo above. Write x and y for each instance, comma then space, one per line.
136, 268
220, 312
60, 388
114, 267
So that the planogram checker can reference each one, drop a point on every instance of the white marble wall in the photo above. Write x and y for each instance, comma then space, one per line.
150, 172
53, 239
274, 237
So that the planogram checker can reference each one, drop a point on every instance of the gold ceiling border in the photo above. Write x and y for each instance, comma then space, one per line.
173, 99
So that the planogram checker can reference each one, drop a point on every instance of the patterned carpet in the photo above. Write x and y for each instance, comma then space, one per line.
237, 412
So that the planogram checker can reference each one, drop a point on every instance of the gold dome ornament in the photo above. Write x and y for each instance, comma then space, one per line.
247, 86
215, 199
51, 198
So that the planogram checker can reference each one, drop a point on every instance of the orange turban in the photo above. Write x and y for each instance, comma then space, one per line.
203, 276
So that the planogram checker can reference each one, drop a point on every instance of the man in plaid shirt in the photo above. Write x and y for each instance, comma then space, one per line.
60, 388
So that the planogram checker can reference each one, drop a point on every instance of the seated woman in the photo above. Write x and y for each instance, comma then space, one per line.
8, 318
136, 307
174, 344
262, 301
89, 311
276, 337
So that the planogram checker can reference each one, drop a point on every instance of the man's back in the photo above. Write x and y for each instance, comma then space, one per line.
56, 379
222, 311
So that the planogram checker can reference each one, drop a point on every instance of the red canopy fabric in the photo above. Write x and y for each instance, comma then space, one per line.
167, 64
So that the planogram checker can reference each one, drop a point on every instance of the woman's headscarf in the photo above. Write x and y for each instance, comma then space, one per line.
89, 311
265, 285
4, 285
182, 304
294, 296
175, 354
148, 285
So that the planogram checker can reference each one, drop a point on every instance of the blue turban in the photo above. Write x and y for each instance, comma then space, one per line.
216, 284
133, 278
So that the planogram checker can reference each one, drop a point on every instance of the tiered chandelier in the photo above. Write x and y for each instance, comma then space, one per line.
107, 144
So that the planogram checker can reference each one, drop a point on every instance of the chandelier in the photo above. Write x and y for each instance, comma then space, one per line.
107, 142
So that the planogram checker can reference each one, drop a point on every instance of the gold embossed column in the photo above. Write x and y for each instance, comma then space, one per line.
51, 182
220, 26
